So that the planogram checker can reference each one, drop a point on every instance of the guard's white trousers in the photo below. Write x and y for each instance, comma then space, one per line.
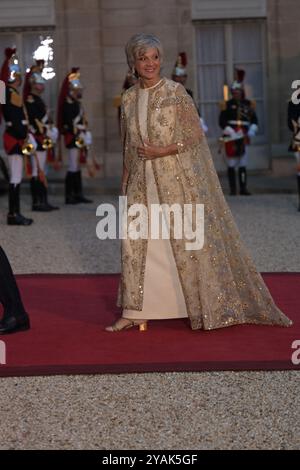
73, 160
234, 162
15, 163
41, 155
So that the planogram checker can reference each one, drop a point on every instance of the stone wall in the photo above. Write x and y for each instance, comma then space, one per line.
92, 34
283, 63
169, 19
79, 44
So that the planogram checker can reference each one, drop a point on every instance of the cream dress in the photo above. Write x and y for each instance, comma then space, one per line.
163, 296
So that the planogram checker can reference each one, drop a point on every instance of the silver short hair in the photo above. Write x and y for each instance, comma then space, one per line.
138, 44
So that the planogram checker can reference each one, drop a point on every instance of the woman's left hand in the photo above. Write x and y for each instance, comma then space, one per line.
149, 151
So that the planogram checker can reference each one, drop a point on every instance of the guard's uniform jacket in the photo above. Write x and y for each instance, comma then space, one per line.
73, 121
16, 122
38, 118
293, 122
239, 115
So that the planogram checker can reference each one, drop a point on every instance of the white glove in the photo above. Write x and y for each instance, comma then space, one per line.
203, 125
239, 134
229, 131
81, 127
52, 133
31, 140
88, 139
297, 136
252, 130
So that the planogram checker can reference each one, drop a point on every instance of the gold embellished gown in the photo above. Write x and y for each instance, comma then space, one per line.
215, 286
163, 297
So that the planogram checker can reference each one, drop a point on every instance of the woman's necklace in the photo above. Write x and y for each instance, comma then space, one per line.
150, 87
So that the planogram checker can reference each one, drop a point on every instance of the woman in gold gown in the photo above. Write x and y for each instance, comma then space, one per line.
167, 161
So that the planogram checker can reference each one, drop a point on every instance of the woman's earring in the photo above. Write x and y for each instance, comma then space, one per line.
133, 71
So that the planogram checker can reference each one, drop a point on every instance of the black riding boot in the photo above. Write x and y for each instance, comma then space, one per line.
15, 317
243, 181
45, 199
14, 217
37, 196
34, 192
232, 180
78, 189
11, 200
70, 185
43, 195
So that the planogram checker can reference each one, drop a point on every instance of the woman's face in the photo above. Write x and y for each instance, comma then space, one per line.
147, 65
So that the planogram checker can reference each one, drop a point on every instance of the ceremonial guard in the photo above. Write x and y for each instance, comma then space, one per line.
72, 124
239, 122
15, 317
294, 126
16, 137
44, 133
179, 75
130, 80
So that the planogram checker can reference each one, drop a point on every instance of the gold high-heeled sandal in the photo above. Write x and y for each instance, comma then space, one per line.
114, 328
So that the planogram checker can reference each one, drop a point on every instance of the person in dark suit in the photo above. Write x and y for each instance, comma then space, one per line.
15, 317
294, 126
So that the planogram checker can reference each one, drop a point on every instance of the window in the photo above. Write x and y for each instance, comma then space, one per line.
222, 47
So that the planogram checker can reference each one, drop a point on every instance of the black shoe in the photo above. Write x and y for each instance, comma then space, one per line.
52, 208
71, 200
40, 208
18, 219
82, 199
14, 324
245, 192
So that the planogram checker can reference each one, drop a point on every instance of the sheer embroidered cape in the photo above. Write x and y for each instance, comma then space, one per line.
220, 283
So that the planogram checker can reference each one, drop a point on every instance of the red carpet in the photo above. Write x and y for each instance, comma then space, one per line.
68, 313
